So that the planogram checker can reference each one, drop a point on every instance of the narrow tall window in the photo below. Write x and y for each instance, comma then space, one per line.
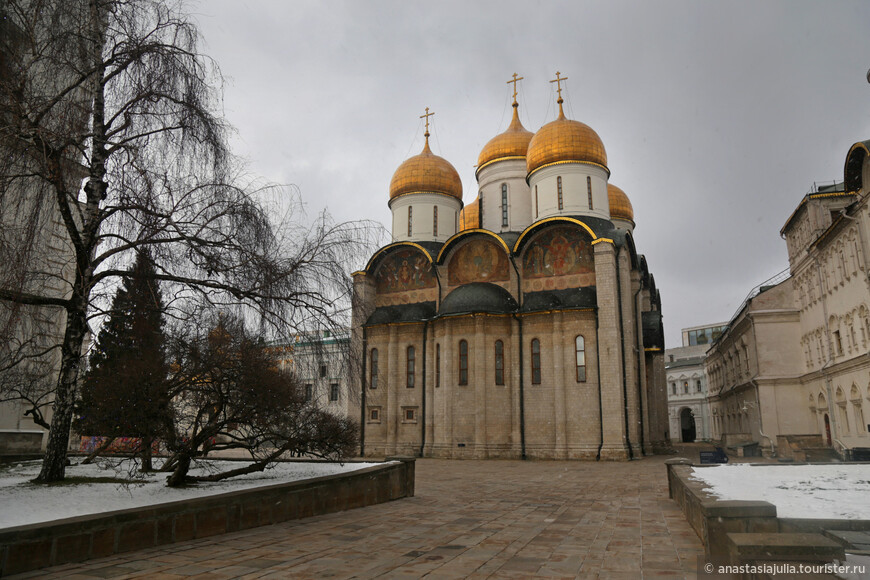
536, 202
580, 349
463, 362
480, 211
373, 381
559, 188
411, 355
309, 392
499, 362
435, 220
437, 365
333, 392
504, 205
589, 190
536, 361
410, 229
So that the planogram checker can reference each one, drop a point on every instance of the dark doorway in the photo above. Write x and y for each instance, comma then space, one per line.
827, 430
687, 425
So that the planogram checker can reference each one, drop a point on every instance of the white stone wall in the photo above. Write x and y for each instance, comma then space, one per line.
423, 217
510, 172
575, 200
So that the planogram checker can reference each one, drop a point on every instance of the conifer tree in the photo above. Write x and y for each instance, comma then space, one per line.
124, 393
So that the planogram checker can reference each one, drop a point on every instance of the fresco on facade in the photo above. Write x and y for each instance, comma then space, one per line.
404, 270
480, 260
558, 251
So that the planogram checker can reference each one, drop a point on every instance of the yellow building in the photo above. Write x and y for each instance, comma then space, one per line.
524, 324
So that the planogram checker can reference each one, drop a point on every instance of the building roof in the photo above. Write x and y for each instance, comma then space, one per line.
585, 297
402, 313
478, 297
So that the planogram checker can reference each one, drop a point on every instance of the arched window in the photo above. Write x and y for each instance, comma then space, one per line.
504, 205
499, 362
373, 381
411, 356
536, 361
435, 220
410, 229
463, 362
559, 190
580, 349
589, 190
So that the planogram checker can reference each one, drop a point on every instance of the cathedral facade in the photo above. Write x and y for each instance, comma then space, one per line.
524, 324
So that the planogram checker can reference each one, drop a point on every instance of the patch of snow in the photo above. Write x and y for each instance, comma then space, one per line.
29, 503
837, 491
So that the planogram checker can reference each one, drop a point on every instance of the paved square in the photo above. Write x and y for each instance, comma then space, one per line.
469, 519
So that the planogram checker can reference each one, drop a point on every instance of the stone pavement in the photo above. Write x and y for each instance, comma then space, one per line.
469, 519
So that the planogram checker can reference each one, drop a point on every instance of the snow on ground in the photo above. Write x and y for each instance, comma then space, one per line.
22, 502
839, 491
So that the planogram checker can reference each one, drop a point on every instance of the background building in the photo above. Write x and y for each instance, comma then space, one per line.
321, 363
828, 239
522, 325
688, 408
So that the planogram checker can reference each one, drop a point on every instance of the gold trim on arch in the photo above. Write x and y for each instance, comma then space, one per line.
595, 239
457, 235
395, 244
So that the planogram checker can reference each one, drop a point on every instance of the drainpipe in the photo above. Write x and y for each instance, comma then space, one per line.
639, 350
622, 349
423, 385
522, 358
600, 407
362, 382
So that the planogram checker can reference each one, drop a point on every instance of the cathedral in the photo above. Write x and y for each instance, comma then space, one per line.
522, 325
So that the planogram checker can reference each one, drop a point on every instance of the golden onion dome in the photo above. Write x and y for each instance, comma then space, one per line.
511, 144
564, 141
469, 217
426, 173
620, 206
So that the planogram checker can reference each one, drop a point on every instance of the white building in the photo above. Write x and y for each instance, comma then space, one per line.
828, 238
688, 409
321, 361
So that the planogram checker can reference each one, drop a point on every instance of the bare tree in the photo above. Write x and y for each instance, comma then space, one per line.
228, 394
114, 95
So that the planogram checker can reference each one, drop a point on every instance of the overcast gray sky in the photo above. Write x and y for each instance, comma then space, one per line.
717, 117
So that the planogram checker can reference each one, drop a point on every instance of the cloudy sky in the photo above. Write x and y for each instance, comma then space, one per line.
717, 117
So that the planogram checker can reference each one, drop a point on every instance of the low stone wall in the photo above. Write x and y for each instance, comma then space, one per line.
735, 532
24, 548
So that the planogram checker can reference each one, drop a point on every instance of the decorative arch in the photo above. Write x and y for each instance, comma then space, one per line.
544, 222
559, 250
479, 259
402, 267
839, 395
457, 237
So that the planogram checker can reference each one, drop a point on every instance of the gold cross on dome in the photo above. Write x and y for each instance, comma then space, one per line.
426, 116
558, 82
514, 81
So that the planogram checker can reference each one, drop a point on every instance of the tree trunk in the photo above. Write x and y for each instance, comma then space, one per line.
146, 454
54, 462
179, 476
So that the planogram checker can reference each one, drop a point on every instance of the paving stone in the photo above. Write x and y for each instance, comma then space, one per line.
473, 519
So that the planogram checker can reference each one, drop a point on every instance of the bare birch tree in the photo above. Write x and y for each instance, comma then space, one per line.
111, 124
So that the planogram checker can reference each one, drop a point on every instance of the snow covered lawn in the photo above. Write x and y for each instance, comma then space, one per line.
27, 503
837, 490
